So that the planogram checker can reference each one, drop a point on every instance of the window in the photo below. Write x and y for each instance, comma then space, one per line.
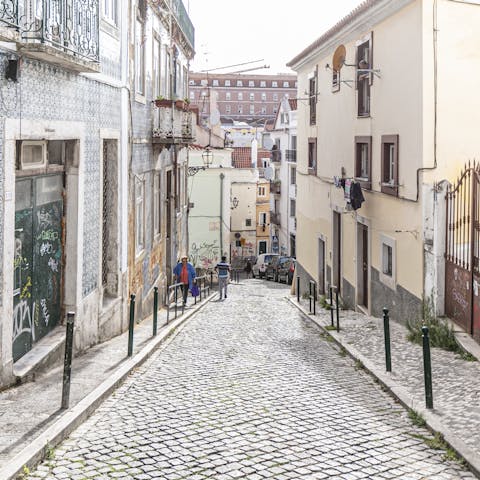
293, 176
263, 83
264, 110
284, 118
364, 77
264, 97
156, 67
240, 96
227, 83
286, 84
215, 83
228, 96
239, 83
390, 164
312, 96
191, 82
312, 156
240, 109
157, 203
110, 11
251, 83
139, 216
261, 192
388, 261
228, 108
363, 161
275, 97
248, 222
192, 96
293, 205
262, 219
252, 109
252, 97
139, 58
204, 82
166, 73
335, 80
274, 84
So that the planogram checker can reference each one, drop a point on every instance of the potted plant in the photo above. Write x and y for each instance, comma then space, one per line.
182, 104
161, 101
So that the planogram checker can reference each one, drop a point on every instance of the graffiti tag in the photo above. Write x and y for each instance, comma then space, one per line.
459, 299
51, 235
53, 264
22, 320
46, 248
45, 314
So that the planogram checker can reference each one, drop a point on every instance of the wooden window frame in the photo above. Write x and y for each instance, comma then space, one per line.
312, 169
364, 80
365, 182
390, 189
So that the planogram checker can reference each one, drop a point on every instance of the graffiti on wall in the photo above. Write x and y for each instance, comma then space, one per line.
205, 255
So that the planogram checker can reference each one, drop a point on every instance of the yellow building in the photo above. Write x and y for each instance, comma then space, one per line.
263, 216
389, 102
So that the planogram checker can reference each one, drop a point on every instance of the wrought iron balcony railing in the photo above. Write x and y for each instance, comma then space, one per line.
276, 186
184, 21
276, 155
70, 27
183, 29
275, 218
291, 155
172, 127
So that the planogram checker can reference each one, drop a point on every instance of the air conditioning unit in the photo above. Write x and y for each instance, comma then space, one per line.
33, 154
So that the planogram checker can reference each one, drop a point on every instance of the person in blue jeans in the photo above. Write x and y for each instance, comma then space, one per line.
185, 274
223, 269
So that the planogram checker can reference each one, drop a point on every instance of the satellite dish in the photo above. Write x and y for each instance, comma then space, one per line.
339, 58
215, 117
268, 173
267, 143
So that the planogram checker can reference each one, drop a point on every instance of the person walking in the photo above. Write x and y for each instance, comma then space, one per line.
248, 268
223, 269
185, 274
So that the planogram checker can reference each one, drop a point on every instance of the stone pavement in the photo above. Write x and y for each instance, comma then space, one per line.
30, 415
456, 382
249, 389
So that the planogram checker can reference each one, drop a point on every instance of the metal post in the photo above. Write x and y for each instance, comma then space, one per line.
211, 280
314, 298
298, 289
427, 367
155, 310
67, 364
176, 300
386, 334
336, 307
131, 324
331, 303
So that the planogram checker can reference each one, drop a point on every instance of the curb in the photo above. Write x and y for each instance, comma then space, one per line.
34, 453
400, 393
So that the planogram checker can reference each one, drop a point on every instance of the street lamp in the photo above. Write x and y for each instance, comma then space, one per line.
207, 158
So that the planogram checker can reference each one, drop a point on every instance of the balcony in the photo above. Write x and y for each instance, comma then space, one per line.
172, 126
291, 156
275, 218
183, 30
276, 186
276, 156
59, 32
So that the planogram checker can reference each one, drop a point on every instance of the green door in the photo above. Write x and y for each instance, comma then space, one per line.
38, 260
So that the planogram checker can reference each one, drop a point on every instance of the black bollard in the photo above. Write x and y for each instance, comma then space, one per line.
427, 367
67, 364
155, 310
386, 334
336, 307
298, 289
131, 325
331, 303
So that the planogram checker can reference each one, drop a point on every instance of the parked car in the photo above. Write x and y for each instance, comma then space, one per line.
258, 270
271, 271
285, 270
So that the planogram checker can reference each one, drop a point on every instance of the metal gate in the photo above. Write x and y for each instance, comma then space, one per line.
37, 289
462, 269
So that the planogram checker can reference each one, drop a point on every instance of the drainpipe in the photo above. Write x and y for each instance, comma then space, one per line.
222, 177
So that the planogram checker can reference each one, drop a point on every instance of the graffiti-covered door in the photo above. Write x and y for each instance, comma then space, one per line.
37, 295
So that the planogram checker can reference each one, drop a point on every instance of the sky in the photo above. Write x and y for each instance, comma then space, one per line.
229, 32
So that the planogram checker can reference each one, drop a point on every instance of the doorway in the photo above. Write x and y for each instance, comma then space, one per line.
321, 266
363, 265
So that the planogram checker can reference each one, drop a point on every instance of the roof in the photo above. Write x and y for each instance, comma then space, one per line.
293, 103
363, 7
242, 157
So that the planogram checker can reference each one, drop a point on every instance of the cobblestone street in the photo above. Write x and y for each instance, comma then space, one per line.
249, 389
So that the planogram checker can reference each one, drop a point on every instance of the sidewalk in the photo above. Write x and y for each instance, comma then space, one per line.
31, 421
456, 382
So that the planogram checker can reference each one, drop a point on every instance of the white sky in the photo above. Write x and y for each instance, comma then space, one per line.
235, 32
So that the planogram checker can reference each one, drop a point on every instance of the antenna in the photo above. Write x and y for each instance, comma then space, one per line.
339, 58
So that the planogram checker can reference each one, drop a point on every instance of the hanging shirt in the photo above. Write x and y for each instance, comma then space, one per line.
348, 186
356, 196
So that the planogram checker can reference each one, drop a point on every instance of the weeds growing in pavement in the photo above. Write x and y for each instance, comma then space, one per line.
416, 418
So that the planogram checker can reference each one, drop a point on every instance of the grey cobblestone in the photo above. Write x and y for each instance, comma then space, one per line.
249, 389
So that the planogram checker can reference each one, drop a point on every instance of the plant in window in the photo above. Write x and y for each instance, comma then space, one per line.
161, 101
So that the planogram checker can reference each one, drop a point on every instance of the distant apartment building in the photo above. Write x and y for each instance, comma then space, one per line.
240, 97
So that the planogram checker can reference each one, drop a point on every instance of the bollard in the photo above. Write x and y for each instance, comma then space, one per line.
298, 289
211, 280
336, 307
386, 334
331, 304
67, 364
131, 325
427, 367
312, 297
155, 310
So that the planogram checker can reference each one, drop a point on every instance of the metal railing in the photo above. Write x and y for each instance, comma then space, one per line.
184, 21
172, 299
203, 283
9, 13
176, 128
276, 156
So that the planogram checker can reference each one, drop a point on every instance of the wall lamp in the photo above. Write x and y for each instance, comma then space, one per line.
207, 158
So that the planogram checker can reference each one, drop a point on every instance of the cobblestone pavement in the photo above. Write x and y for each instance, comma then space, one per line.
249, 390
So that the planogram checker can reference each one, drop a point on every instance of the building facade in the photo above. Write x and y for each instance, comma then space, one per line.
395, 129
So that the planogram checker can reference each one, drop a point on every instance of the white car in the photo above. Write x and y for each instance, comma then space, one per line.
258, 270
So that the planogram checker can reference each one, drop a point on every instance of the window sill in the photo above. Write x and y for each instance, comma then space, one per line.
363, 115
388, 281
312, 171
366, 184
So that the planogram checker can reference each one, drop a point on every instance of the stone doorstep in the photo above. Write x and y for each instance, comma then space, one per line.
45, 353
